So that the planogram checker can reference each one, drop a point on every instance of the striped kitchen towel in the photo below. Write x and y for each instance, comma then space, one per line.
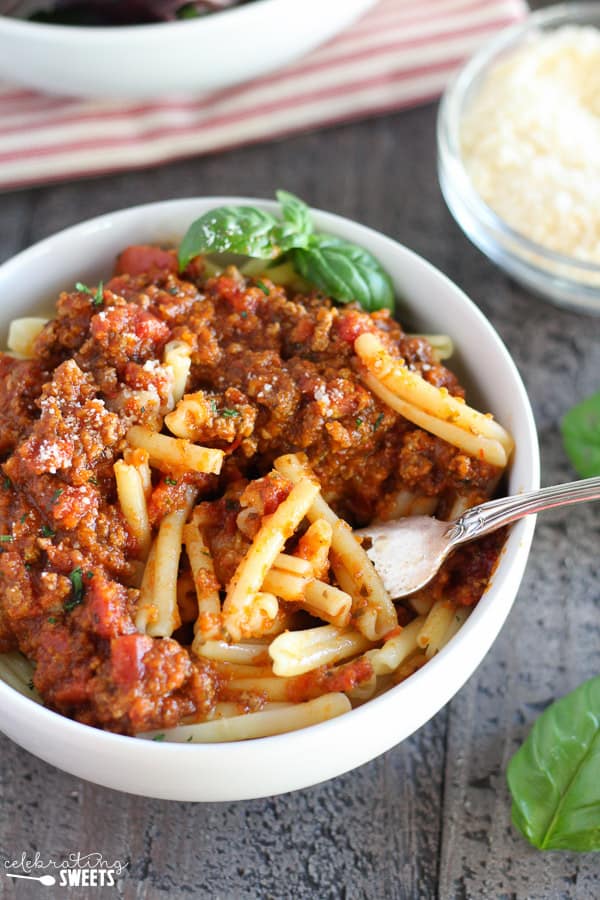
400, 54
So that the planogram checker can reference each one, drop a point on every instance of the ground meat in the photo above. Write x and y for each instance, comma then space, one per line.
272, 372
19, 388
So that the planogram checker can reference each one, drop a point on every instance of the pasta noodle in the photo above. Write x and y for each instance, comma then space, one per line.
22, 334
386, 659
435, 626
132, 499
415, 399
158, 613
374, 614
441, 343
178, 359
245, 653
323, 600
208, 622
242, 610
259, 724
140, 459
297, 652
256, 608
172, 454
314, 546
489, 450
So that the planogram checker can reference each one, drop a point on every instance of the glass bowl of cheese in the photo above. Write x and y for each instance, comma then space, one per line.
519, 153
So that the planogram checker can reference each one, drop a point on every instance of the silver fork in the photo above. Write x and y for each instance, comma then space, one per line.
408, 552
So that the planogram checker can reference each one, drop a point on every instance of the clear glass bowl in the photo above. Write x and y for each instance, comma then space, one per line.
563, 279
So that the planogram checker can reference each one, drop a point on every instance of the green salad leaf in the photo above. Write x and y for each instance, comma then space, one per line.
231, 229
336, 267
345, 271
554, 778
581, 436
296, 214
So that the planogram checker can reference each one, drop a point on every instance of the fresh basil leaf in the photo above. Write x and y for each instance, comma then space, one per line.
231, 229
554, 778
297, 215
345, 272
342, 270
581, 436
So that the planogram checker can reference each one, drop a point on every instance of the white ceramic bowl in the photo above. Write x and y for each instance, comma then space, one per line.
30, 283
146, 61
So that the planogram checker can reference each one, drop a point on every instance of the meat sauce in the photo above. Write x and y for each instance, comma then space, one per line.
279, 375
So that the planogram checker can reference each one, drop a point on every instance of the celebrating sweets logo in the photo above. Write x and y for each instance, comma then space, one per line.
77, 870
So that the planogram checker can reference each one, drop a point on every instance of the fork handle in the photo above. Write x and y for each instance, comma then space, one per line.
494, 514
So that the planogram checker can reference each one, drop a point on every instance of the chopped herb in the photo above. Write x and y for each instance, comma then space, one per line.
142, 409
97, 296
378, 421
57, 494
92, 480
7, 483
244, 314
230, 413
170, 480
159, 737
76, 579
190, 739
28, 566
47, 531
359, 422
89, 574
30, 684
174, 291
230, 504
52, 620
263, 287
23, 518
214, 407
6, 538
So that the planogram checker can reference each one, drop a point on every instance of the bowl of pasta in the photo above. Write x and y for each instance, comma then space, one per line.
191, 432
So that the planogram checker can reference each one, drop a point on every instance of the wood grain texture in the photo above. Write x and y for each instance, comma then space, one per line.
431, 818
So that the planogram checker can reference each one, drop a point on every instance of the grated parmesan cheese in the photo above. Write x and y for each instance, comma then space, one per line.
531, 141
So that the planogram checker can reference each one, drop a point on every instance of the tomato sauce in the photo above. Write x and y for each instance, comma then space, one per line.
278, 374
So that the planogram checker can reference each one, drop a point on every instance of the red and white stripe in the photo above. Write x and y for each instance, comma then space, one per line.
400, 54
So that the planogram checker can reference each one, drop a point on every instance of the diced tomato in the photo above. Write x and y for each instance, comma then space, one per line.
127, 654
350, 324
106, 607
131, 319
141, 258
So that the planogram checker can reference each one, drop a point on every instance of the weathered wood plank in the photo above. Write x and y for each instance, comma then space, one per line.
550, 644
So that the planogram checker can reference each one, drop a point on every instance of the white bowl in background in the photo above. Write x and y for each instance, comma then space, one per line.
30, 282
186, 56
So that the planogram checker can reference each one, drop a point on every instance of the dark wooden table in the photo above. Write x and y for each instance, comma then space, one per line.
431, 818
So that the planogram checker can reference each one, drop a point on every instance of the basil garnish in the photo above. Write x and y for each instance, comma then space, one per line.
231, 229
345, 271
336, 267
554, 778
581, 435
